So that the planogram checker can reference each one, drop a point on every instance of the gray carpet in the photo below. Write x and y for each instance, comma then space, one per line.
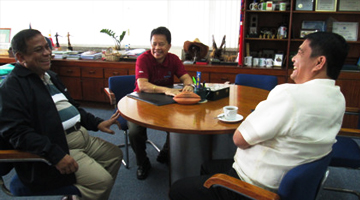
156, 186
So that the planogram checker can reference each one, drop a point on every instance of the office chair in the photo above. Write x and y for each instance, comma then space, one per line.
120, 86
346, 152
266, 82
17, 188
301, 182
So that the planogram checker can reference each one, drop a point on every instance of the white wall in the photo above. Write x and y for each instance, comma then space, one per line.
84, 19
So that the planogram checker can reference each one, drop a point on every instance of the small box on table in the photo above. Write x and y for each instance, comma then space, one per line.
217, 91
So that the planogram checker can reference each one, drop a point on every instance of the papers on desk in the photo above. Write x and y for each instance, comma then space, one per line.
153, 98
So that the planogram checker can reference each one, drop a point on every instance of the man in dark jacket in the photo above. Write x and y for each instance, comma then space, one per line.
37, 115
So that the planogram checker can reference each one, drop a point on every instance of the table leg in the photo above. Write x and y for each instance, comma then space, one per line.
189, 151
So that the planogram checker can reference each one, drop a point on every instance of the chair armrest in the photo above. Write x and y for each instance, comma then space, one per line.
350, 132
20, 156
352, 110
111, 96
240, 187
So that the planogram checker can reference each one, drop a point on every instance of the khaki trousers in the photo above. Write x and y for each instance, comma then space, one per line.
99, 162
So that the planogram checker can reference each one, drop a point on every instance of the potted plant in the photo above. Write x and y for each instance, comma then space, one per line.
117, 39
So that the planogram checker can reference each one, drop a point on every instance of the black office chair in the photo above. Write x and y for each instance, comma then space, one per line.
300, 183
346, 152
120, 86
17, 188
266, 82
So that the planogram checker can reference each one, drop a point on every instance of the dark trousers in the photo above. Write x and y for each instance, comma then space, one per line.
192, 187
138, 138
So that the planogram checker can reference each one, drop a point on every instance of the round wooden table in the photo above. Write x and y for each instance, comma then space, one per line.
195, 132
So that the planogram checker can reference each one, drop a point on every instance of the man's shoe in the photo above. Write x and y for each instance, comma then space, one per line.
143, 170
163, 156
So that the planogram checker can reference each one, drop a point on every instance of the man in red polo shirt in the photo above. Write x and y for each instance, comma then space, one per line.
155, 70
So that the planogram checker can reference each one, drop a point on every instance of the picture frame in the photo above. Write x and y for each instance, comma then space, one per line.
349, 30
326, 5
304, 5
278, 60
305, 32
349, 5
314, 25
5, 35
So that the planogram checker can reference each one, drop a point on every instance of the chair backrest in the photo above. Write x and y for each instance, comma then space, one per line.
266, 82
358, 125
121, 85
304, 181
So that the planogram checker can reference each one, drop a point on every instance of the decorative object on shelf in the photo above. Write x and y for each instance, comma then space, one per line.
349, 30
349, 5
269, 62
112, 55
57, 47
325, 5
248, 61
217, 52
117, 39
282, 32
282, 6
253, 5
69, 44
305, 32
253, 27
304, 5
269, 6
195, 50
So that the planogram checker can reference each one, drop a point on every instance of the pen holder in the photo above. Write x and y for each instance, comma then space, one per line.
203, 92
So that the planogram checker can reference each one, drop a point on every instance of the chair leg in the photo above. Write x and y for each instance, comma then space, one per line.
4, 188
153, 144
126, 145
343, 190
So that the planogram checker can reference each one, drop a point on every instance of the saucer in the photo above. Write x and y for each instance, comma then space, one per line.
222, 118
203, 101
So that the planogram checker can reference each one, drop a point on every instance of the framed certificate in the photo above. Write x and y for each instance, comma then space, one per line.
325, 5
349, 5
5, 35
304, 5
349, 30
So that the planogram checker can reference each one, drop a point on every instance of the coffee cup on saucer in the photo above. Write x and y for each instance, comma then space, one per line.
230, 112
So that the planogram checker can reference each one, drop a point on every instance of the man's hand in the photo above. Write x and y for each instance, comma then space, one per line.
67, 165
172, 91
105, 125
188, 88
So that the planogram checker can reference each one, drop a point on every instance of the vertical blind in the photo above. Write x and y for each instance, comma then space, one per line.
186, 20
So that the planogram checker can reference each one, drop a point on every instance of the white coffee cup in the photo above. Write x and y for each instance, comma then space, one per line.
262, 62
248, 61
282, 6
269, 6
253, 6
230, 112
269, 62
255, 62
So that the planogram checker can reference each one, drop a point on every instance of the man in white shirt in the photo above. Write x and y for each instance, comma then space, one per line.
296, 124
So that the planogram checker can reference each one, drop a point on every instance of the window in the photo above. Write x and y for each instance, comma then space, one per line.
186, 20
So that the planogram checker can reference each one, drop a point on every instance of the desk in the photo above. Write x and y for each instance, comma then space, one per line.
194, 130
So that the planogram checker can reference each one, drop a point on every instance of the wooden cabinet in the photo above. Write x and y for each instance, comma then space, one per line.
86, 80
292, 19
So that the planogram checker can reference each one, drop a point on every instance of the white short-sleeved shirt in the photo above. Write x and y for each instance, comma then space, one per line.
296, 124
